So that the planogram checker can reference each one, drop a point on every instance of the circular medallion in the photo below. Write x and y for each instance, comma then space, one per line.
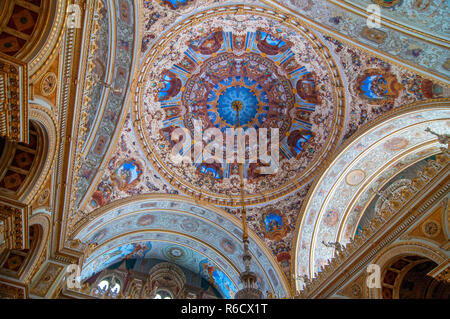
48, 84
176, 252
355, 177
224, 67
356, 290
396, 144
98, 236
189, 225
431, 228
218, 101
43, 197
331, 218
146, 220
228, 245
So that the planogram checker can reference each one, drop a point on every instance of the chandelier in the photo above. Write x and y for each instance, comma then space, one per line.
248, 278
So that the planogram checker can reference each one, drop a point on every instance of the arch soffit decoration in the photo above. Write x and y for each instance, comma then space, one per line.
46, 120
50, 39
357, 206
43, 220
32, 256
86, 150
372, 137
43, 43
161, 243
401, 249
48, 140
176, 207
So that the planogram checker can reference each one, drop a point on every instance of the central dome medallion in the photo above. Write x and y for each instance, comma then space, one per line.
233, 99
249, 80
272, 73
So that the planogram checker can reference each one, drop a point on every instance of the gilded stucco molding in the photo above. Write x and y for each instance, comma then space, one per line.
52, 44
13, 99
15, 220
69, 54
40, 254
46, 280
51, 137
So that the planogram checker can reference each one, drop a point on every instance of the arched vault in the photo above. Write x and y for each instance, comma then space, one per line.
202, 230
338, 199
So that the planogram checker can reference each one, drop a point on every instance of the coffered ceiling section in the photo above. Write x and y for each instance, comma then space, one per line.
21, 24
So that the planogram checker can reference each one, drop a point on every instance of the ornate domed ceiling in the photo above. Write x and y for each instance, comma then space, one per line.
351, 115
281, 75
191, 62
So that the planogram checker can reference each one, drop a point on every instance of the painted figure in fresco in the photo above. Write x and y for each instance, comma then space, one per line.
175, 4
290, 65
103, 193
208, 44
238, 42
378, 86
213, 169
269, 44
306, 88
217, 278
228, 246
170, 86
208, 270
297, 139
139, 250
166, 132
172, 112
331, 218
430, 90
127, 174
274, 224
302, 115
